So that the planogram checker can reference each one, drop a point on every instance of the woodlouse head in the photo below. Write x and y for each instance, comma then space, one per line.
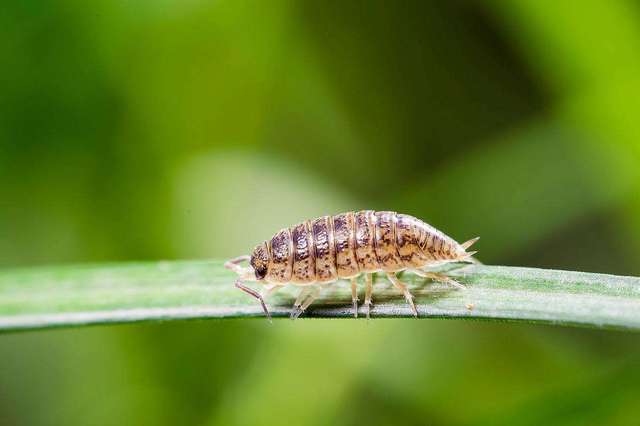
260, 261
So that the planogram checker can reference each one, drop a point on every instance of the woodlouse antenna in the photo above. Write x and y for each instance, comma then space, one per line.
233, 264
256, 295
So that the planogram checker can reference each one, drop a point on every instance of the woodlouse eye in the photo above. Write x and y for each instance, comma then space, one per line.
260, 271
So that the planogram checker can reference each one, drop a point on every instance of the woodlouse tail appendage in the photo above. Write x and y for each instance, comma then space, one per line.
318, 252
466, 245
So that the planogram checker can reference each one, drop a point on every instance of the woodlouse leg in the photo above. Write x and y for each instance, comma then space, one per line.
354, 296
367, 294
437, 276
313, 296
403, 288
304, 292
256, 295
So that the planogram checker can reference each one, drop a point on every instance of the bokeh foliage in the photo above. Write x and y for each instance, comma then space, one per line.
192, 129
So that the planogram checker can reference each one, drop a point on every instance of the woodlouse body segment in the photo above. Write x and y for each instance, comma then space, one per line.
385, 242
345, 245
281, 266
325, 250
365, 233
410, 238
344, 238
304, 259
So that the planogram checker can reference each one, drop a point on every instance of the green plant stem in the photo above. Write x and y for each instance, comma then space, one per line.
74, 295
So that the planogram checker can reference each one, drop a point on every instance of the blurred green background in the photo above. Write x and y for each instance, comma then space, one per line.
194, 129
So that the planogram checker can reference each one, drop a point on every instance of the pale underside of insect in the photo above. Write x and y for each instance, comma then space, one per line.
318, 252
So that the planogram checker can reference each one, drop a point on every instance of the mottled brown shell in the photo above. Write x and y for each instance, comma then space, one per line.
410, 233
347, 244
304, 258
385, 242
344, 241
365, 247
322, 230
280, 268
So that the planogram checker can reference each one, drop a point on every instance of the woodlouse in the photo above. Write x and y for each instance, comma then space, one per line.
318, 252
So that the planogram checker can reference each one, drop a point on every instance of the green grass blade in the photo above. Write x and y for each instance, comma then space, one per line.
34, 298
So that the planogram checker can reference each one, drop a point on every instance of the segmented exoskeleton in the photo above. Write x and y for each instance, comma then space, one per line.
323, 250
